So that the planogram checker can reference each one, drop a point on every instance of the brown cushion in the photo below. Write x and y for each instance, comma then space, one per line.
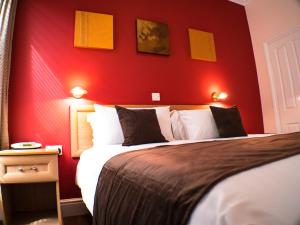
228, 121
139, 126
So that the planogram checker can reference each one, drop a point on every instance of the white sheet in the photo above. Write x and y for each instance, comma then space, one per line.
267, 195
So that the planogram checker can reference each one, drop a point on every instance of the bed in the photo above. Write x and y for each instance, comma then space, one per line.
244, 198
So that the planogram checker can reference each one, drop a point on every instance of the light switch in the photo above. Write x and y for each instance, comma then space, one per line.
156, 97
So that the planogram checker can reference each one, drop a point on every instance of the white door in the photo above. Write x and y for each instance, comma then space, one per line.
283, 56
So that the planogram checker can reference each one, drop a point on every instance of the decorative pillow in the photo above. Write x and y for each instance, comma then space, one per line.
139, 126
228, 121
111, 117
194, 124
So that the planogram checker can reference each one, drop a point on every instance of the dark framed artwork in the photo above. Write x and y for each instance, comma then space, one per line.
152, 37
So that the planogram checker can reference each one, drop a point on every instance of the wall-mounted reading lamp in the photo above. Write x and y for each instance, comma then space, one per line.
219, 96
78, 92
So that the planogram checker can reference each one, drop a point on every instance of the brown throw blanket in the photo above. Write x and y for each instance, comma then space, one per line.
162, 185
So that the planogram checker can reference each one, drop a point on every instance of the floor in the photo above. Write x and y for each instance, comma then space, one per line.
78, 220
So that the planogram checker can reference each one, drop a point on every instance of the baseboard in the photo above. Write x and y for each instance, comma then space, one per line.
73, 207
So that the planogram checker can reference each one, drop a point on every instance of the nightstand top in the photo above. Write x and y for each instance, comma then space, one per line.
28, 152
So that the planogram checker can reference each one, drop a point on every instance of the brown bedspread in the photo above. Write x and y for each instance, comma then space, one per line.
162, 185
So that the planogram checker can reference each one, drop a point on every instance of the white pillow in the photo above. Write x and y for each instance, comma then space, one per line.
177, 126
107, 128
164, 119
194, 124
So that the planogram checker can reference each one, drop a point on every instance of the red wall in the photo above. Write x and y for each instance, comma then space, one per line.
45, 66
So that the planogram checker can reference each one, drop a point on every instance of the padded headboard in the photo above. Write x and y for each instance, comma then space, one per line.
81, 131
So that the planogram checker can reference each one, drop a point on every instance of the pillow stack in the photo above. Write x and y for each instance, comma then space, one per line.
209, 123
119, 125
107, 128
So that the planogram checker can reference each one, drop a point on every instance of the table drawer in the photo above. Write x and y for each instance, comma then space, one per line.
28, 169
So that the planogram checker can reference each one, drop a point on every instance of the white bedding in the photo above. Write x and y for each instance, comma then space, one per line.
267, 195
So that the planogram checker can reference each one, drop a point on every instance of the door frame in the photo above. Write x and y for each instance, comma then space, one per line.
267, 48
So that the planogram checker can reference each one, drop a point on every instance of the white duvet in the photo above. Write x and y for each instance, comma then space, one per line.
267, 195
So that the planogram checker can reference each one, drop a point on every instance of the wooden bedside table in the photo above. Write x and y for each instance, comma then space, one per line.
29, 187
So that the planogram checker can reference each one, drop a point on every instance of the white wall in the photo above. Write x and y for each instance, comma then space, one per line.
268, 19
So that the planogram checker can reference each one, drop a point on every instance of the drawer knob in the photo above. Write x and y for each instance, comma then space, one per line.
34, 169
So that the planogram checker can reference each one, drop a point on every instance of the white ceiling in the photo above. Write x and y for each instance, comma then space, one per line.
241, 2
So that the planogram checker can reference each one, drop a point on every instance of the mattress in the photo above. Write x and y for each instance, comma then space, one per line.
241, 199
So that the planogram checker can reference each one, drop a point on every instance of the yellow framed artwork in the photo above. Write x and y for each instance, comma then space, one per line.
202, 45
93, 30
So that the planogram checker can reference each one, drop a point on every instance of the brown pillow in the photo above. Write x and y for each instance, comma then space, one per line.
139, 126
228, 121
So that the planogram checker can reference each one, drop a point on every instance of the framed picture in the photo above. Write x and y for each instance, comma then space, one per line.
202, 45
152, 37
93, 30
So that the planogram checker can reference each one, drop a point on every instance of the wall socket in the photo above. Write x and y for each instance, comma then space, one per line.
55, 147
